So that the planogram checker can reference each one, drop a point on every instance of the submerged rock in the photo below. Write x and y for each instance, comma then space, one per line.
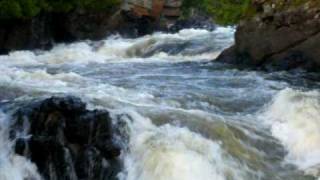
278, 38
67, 141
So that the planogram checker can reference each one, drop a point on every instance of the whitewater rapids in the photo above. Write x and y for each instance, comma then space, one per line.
187, 117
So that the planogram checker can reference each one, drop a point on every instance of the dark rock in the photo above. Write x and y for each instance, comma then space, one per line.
67, 141
279, 40
172, 48
133, 26
42, 31
82, 25
24, 34
196, 22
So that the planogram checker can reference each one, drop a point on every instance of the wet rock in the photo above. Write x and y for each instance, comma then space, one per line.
25, 34
46, 29
196, 22
42, 31
133, 26
67, 141
278, 40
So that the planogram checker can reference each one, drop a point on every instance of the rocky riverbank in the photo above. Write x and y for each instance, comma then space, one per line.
129, 18
65, 140
281, 36
42, 31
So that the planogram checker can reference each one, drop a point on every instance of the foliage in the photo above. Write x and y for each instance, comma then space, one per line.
224, 12
98, 4
227, 11
10, 9
30, 8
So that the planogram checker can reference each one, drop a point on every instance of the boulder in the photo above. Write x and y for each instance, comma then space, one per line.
67, 141
195, 22
278, 39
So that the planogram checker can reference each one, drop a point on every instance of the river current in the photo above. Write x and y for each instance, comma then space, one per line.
188, 117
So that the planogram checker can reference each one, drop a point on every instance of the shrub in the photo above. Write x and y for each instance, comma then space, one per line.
9, 9
29, 8
224, 12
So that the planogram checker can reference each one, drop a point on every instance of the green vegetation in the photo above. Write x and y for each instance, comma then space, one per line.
29, 8
224, 12
228, 12
284, 5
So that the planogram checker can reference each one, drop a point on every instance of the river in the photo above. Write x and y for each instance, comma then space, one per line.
189, 118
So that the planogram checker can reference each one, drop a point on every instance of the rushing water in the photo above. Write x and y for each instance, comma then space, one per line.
188, 118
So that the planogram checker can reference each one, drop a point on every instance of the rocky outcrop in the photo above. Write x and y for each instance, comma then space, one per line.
154, 9
42, 31
67, 141
196, 22
24, 34
134, 18
279, 39
148, 16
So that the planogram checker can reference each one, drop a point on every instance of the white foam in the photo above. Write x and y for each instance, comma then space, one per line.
118, 49
13, 167
294, 117
166, 152
173, 153
39, 80
19, 58
76, 53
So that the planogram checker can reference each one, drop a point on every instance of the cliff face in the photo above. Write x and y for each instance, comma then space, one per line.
45, 29
132, 18
162, 12
283, 35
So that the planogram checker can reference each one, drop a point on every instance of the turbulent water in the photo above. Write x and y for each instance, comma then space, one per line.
188, 118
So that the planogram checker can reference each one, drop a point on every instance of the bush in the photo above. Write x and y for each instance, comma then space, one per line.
227, 11
224, 12
98, 4
29, 8
9, 8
